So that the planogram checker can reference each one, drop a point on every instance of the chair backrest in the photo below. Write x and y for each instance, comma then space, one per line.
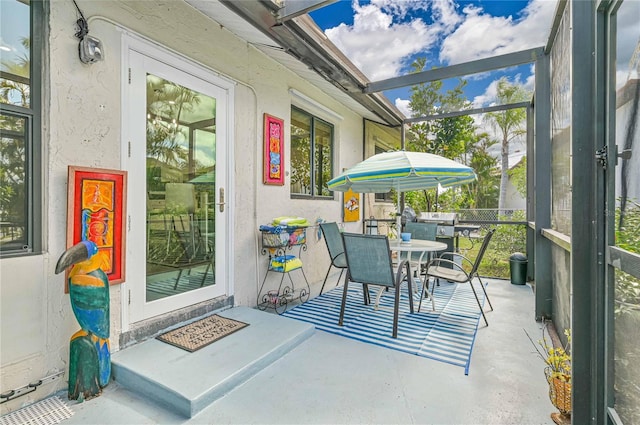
368, 259
423, 231
481, 251
333, 239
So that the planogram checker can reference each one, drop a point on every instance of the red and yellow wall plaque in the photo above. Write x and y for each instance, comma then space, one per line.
96, 208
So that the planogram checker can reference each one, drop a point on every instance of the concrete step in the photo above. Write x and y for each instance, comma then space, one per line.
188, 382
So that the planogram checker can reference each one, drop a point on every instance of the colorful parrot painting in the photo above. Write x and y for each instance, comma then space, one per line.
89, 356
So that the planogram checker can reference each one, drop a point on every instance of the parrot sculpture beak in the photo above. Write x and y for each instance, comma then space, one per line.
81, 251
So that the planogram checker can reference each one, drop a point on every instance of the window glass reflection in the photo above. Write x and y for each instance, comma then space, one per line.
15, 50
180, 188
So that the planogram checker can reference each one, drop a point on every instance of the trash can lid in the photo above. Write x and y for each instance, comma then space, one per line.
518, 256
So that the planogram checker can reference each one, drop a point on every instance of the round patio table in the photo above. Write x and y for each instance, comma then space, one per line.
425, 247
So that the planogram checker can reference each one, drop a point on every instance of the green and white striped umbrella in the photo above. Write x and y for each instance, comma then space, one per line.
402, 171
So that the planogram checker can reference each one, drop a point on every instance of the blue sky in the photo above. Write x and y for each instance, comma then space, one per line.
383, 37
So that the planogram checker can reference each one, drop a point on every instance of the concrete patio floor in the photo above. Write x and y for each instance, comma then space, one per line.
329, 379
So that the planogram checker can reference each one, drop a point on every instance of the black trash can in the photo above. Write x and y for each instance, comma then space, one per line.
518, 267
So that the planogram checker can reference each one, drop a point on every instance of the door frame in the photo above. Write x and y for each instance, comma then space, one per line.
131, 42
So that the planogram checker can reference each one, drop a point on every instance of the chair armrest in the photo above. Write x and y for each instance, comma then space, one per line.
455, 255
336, 257
399, 275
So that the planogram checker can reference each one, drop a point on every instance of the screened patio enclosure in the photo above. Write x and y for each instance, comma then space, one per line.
583, 184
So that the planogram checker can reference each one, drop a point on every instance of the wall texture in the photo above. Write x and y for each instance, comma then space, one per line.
83, 126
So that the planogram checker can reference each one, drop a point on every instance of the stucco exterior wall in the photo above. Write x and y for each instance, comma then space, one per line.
82, 126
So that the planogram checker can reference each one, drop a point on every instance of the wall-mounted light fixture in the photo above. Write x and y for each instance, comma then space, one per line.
90, 48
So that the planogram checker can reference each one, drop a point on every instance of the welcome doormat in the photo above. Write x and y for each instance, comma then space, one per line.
201, 333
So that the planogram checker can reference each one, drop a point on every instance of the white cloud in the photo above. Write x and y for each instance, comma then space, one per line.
386, 34
487, 98
530, 82
403, 106
381, 41
482, 35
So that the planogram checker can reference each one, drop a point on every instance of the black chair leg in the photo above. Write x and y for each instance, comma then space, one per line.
486, 296
396, 309
479, 305
327, 275
325, 279
424, 292
340, 277
178, 279
344, 301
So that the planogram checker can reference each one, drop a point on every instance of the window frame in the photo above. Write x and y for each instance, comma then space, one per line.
384, 197
314, 119
32, 114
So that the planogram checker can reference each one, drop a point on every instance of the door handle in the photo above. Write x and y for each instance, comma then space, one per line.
221, 199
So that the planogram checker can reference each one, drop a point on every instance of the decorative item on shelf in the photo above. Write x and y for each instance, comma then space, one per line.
558, 374
284, 231
285, 263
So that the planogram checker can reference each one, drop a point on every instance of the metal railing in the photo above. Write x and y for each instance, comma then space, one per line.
510, 236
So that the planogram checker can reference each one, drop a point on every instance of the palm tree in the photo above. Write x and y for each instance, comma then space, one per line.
509, 124
18, 71
166, 101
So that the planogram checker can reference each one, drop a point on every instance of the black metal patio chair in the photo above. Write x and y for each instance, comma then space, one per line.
422, 231
453, 271
333, 239
195, 251
369, 263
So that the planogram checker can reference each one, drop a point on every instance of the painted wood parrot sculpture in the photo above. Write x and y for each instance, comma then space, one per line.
89, 356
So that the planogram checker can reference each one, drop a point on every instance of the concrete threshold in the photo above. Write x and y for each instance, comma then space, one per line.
187, 382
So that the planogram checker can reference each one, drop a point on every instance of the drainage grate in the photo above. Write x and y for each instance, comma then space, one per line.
49, 411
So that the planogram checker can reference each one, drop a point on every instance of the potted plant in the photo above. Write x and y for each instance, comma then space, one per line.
558, 374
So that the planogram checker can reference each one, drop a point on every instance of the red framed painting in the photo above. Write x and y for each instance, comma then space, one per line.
273, 150
96, 211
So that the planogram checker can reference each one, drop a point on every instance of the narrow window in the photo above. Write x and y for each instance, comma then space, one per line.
311, 155
382, 197
20, 39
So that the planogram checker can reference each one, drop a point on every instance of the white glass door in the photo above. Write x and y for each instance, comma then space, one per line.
177, 178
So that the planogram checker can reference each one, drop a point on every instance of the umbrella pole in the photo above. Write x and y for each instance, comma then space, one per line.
398, 214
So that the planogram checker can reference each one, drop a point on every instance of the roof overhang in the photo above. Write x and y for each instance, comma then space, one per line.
296, 42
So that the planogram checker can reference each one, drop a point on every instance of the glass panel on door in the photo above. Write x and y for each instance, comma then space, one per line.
180, 171
627, 227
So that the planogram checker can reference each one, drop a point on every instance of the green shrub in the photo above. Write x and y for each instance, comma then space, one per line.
628, 238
